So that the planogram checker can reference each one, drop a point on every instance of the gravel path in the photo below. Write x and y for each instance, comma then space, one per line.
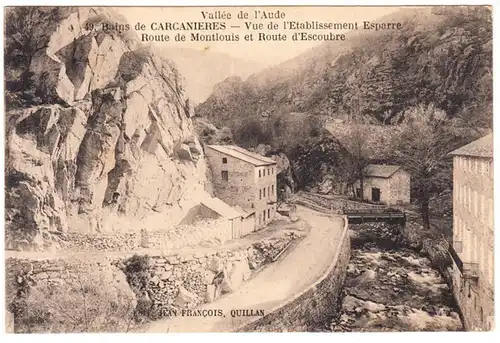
293, 272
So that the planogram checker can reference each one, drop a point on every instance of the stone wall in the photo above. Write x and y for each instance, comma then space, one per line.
399, 188
178, 237
240, 188
335, 203
174, 280
370, 182
186, 281
476, 302
317, 304
204, 231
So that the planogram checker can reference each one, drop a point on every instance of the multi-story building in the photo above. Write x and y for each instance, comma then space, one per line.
473, 232
245, 179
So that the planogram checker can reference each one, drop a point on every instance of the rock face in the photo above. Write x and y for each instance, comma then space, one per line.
111, 147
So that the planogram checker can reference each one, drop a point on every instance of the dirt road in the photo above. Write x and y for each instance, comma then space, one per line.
292, 273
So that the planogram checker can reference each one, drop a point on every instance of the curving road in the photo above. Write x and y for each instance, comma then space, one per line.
289, 275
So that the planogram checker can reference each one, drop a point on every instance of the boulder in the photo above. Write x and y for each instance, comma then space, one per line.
208, 277
216, 265
185, 299
210, 294
373, 307
233, 279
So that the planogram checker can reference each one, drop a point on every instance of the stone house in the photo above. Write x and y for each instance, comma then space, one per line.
472, 248
385, 184
244, 179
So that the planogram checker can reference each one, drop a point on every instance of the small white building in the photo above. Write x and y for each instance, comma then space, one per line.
384, 184
213, 208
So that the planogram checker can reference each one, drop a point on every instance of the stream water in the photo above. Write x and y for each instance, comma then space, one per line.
391, 288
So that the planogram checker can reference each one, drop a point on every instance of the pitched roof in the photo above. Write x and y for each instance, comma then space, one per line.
220, 207
242, 154
483, 147
380, 170
244, 213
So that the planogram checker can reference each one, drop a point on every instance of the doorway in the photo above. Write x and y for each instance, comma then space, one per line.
376, 194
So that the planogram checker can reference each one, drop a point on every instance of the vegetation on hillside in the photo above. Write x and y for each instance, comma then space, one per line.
92, 301
442, 55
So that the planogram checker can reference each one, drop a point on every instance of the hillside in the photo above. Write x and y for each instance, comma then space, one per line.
204, 69
441, 56
99, 134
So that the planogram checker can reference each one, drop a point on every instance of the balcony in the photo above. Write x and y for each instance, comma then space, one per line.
470, 271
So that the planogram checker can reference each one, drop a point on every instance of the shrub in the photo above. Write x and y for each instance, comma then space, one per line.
94, 300
137, 272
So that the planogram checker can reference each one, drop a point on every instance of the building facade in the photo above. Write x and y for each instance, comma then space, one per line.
473, 232
384, 184
244, 179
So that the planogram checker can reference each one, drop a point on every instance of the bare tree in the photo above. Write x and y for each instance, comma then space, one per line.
422, 148
359, 150
357, 143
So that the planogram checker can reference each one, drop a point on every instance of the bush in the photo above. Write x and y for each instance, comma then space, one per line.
137, 272
92, 301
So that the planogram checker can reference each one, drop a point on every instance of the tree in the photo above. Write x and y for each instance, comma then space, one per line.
357, 143
422, 149
357, 146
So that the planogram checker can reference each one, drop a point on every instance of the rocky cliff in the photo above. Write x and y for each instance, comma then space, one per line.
99, 132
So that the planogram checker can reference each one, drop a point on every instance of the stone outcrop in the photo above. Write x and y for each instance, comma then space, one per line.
112, 147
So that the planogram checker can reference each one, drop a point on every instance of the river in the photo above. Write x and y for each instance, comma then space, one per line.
392, 288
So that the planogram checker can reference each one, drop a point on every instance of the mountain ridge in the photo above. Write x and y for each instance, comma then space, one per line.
392, 70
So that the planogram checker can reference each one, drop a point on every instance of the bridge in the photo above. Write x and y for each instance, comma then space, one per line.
387, 215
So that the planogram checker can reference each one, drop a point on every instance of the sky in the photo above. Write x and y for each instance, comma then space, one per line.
265, 52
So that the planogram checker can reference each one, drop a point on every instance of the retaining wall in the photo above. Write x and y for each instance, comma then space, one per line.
336, 204
314, 306
177, 237
176, 280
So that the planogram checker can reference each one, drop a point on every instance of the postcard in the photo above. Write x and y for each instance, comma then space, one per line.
248, 169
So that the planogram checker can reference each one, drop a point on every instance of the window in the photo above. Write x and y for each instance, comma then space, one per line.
268, 213
224, 175
474, 203
264, 192
269, 191
260, 194
259, 173
224, 160
272, 189
264, 214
